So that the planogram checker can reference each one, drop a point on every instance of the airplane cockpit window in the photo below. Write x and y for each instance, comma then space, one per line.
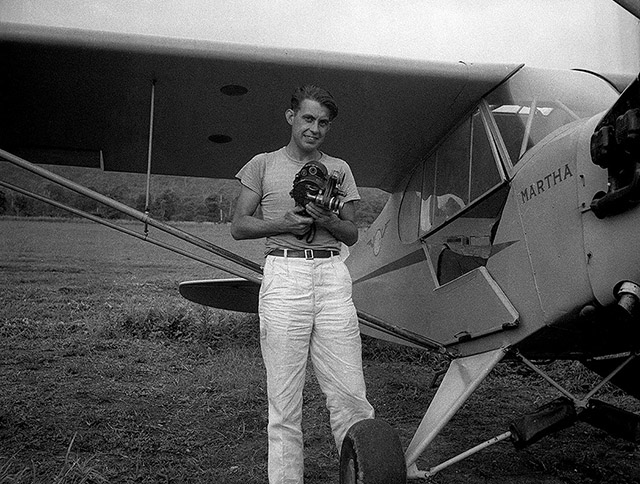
534, 103
451, 186
460, 172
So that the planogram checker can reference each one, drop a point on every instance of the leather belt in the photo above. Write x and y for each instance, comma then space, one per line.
304, 253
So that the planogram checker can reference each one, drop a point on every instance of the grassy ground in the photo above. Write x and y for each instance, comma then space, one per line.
108, 376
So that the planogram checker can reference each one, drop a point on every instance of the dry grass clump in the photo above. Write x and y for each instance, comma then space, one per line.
188, 323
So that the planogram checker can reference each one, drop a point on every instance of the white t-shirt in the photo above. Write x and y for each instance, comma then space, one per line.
271, 176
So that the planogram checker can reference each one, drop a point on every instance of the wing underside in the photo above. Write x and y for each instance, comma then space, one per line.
84, 97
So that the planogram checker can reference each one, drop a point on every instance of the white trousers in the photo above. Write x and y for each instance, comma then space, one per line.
306, 311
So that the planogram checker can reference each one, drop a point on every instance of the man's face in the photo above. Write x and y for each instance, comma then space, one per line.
309, 125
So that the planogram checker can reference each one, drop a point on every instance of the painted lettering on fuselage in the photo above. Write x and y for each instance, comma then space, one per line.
548, 182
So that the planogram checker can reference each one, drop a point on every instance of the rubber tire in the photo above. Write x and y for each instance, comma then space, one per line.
372, 454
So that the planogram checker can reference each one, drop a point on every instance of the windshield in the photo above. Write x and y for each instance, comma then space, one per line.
465, 168
536, 102
459, 172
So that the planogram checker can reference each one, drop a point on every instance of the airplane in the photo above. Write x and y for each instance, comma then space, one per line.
513, 216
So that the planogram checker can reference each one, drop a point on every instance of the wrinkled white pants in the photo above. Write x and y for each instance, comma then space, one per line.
306, 311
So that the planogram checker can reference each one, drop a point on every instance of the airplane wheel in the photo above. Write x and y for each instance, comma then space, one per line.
372, 454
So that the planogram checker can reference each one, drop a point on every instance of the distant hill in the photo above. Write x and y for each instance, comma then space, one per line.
171, 197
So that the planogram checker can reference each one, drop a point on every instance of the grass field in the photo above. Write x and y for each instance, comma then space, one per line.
108, 376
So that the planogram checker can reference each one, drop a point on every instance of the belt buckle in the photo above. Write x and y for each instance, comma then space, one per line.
308, 254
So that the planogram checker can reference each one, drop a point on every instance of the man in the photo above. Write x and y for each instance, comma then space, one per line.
305, 303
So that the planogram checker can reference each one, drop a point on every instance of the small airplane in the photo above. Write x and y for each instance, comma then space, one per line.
512, 222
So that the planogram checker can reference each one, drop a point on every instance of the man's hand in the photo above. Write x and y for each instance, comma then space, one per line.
297, 223
342, 226
322, 217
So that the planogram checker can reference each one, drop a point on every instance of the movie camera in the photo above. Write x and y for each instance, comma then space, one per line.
313, 183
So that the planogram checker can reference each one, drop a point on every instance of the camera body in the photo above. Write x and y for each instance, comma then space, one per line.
314, 184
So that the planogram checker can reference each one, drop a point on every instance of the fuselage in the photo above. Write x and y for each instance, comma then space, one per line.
491, 241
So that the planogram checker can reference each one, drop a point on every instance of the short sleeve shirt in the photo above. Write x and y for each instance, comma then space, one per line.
271, 176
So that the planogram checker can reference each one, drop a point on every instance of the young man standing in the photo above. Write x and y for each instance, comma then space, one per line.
305, 307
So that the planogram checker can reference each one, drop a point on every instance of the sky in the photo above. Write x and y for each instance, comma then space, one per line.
588, 34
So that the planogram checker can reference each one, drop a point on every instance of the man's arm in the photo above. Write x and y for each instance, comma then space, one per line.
342, 226
246, 226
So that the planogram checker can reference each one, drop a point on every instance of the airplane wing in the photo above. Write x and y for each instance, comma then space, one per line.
84, 97
632, 6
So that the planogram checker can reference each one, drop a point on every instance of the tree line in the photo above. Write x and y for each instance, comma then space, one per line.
168, 205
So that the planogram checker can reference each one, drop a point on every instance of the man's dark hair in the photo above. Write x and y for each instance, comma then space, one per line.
317, 94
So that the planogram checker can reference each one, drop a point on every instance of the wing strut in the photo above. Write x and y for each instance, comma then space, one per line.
393, 330
127, 231
149, 151
121, 207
